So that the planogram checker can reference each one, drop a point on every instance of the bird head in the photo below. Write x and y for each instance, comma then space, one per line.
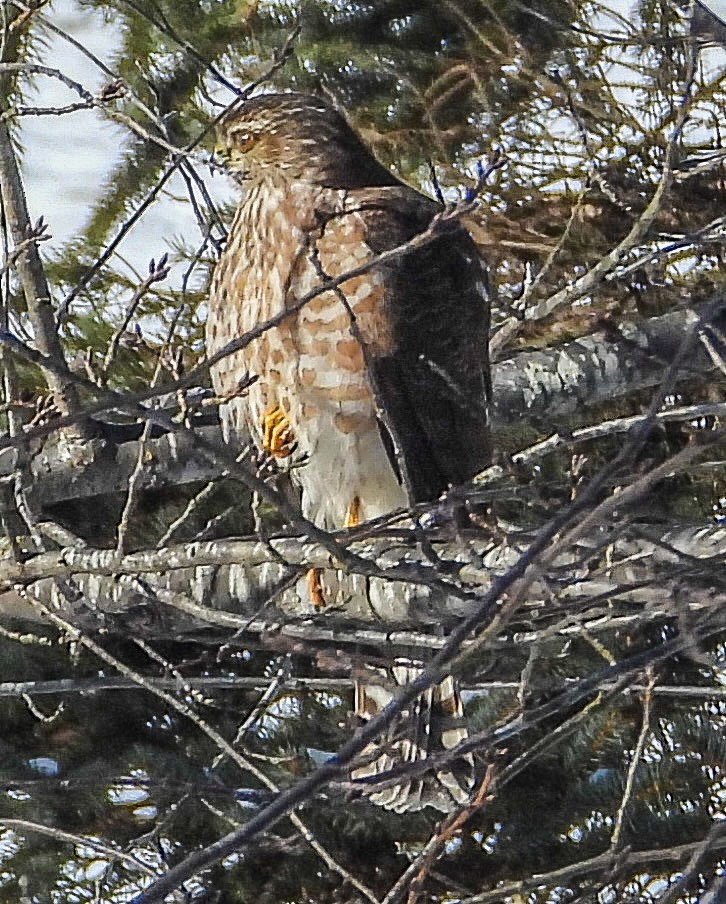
298, 138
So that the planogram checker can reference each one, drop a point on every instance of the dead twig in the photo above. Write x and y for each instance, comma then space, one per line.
415, 875
634, 763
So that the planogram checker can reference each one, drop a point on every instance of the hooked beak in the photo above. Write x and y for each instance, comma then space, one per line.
219, 159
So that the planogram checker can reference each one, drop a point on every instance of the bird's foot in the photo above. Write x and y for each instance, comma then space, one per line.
277, 437
316, 591
352, 516
314, 577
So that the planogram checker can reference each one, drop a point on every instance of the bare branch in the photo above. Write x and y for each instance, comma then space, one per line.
32, 276
603, 865
634, 763
609, 262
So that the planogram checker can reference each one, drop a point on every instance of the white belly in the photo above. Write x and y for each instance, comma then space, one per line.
348, 467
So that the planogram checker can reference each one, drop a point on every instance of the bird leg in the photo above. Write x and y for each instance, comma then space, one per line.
314, 576
316, 591
277, 437
352, 516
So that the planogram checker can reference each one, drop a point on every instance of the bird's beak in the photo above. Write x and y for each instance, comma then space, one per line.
219, 159
221, 151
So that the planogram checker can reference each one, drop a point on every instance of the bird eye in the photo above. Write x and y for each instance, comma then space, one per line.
243, 139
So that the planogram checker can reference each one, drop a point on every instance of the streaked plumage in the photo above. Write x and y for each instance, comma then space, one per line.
379, 387
434, 723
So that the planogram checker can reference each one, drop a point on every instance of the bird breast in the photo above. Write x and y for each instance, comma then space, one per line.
313, 364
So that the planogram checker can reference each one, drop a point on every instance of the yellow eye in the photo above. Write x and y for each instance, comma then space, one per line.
243, 139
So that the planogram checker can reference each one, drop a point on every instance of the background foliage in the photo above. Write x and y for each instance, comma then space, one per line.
581, 99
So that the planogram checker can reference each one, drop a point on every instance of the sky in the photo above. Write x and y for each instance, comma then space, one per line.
66, 159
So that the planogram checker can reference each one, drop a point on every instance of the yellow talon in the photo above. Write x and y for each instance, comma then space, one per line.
352, 516
277, 438
314, 577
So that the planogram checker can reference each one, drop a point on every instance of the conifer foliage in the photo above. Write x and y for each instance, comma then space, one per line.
168, 703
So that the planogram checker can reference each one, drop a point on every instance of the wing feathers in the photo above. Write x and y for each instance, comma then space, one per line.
428, 339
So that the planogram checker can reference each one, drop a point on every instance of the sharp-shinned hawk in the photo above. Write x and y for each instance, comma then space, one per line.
377, 389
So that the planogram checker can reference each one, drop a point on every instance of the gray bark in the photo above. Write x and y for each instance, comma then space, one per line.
555, 388
30, 271
599, 585
570, 380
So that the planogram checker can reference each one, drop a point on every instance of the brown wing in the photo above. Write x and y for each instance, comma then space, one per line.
434, 385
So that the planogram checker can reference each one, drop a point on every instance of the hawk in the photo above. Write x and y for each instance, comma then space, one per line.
375, 390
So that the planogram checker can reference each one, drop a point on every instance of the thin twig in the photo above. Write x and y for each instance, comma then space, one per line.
236, 683
634, 763
134, 487
415, 874
714, 840
600, 865
272, 689
157, 272
189, 510
613, 259
220, 742
21, 826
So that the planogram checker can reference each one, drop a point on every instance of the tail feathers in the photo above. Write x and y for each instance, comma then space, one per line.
434, 723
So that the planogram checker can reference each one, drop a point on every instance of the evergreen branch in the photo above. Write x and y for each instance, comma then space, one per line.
179, 156
602, 865
185, 710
